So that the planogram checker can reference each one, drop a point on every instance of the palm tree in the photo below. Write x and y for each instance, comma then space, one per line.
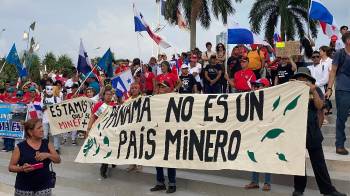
198, 10
293, 14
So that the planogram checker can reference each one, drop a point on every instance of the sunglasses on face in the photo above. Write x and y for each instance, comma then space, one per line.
284, 58
314, 57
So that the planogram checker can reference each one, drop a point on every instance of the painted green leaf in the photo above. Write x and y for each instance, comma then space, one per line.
95, 141
276, 103
97, 151
88, 146
272, 134
281, 157
106, 140
108, 154
99, 126
291, 105
251, 156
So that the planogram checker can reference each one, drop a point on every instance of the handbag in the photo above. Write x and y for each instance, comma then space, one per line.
52, 177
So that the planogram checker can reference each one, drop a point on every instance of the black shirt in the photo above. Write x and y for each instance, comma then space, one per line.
213, 70
284, 73
234, 65
188, 83
314, 135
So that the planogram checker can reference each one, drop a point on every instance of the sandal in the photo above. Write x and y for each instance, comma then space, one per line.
252, 185
266, 187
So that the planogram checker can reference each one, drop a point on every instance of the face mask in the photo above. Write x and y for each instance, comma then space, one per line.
49, 90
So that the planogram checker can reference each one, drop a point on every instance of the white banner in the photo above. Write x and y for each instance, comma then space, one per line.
69, 115
263, 131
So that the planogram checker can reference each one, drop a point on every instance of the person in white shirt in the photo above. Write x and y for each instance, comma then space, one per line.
320, 71
50, 99
339, 44
195, 70
206, 55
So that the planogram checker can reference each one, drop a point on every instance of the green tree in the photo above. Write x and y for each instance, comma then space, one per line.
9, 72
292, 14
198, 10
33, 67
65, 64
50, 61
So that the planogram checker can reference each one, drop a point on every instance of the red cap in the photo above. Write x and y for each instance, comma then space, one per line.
334, 38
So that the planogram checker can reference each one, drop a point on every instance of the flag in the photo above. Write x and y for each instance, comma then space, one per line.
329, 30
23, 72
84, 64
25, 35
34, 110
319, 12
32, 26
241, 35
105, 63
277, 37
13, 59
122, 83
141, 25
181, 22
32, 44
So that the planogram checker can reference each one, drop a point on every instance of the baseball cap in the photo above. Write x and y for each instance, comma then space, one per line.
32, 89
185, 66
19, 93
334, 38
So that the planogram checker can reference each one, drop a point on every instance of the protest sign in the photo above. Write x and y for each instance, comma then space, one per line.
291, 48
70, 115
11, 117
263, 131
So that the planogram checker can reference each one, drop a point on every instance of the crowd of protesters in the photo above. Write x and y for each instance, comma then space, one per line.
247, 68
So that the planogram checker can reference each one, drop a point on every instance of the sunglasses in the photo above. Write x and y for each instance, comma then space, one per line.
315, 57
284, 58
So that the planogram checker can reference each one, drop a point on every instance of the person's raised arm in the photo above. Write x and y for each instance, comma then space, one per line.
294, 66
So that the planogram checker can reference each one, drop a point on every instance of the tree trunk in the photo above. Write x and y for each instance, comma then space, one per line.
196, 5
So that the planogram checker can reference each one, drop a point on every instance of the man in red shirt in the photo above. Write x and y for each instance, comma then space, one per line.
74, 93
242, 79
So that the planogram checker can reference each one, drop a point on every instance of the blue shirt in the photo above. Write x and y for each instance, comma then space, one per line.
342, 81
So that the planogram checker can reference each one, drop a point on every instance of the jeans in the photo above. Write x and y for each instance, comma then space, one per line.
321, 173
342, 99
255, 178
171, 176
56, 138
214, 89
9, 144
73, 135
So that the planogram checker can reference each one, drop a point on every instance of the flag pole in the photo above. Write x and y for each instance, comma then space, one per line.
87, 76
308, 18
158, 25
3, 65
138, 44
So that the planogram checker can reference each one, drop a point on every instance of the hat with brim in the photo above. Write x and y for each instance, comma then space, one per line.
304, 72
32, 89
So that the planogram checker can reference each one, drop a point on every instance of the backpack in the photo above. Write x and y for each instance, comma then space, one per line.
342, 59
261, 63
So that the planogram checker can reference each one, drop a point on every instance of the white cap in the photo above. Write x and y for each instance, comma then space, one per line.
185, 66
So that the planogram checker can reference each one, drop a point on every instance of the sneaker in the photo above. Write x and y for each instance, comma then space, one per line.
252, 185
158, 188
64, 142
342, 151
297, 193
266, 187
3, 150
171, 189
74, 142
335, 193
103, 170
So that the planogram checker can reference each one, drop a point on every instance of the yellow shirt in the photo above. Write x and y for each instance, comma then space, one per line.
255, 60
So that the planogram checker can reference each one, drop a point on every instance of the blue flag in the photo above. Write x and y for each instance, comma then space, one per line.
105, 63
13, 59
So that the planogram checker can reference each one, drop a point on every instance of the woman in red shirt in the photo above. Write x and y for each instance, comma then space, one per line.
97, 110
149, 79
174, 82
241, 80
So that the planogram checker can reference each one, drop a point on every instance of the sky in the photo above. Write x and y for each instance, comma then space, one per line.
109, 24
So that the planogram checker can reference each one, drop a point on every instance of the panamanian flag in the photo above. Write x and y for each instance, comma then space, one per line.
35, 110
122, 83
